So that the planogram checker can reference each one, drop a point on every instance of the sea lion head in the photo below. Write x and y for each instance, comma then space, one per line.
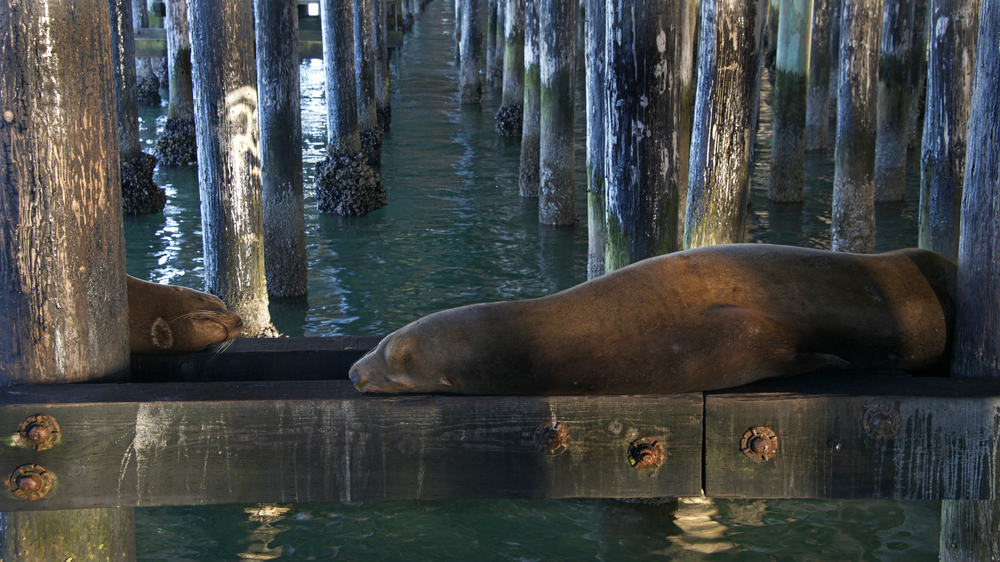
172, 319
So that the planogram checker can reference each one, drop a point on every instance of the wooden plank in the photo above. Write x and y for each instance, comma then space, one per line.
209, 443
258, 360
866, 436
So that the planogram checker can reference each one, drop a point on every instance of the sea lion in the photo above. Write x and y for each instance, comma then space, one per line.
697, 320
171, 319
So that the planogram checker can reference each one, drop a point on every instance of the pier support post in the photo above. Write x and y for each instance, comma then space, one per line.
140, 15
277, 26
64, 319
730, 62
853, 221
494, 72
381, 47
891, 136
140, 195
686, 60
177, 145
509, 116
557, 67
971, 530
817, 133
949, 90
345, 183
364, 82
528, 170
493, 8
593, 52
642, 114
469, 85
791, 84
225, 82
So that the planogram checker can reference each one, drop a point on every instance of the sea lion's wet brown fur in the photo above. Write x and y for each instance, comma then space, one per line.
171, 319
697, 320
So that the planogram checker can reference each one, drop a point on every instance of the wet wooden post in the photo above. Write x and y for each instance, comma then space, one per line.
834, 50
791, 84
853, 221
364, 82
510, 114
225, 81
469, 85
772, 35
65, 320
277, 24
493, 8
970, 530
917, 78
407, 11
380, 44
593, 52
177, 145
729, 69
140, 195
140, 15
345, 183
949, 89
494, 72
557, 67
459, 6
891, 136
817, 133
642, 118
686, 57
528, 170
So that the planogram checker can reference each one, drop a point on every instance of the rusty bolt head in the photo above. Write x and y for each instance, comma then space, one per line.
30, 482
645, 454
552, 439
39, 432
759, 444
882, 421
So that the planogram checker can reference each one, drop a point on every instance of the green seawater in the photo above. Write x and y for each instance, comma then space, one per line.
456, 232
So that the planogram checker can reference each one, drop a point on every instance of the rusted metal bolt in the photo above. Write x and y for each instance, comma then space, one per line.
39, 432
759, 444
552, 439
882, 421
645, 454
30, 482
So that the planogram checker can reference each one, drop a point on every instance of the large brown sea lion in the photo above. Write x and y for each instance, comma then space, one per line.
171, 319
697, 320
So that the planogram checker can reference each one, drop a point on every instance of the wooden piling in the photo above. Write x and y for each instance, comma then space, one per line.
459, 5
225, 81
853, 221
345, 183
63, 301
528, 170
381, 47
364, 82
891, 138
276, 26
177, 145
557, 67
917, 78
494, 73
971, 530
731, 53
140, 195
140, 15
642, 119
594, 44
493, 8
791, 84
821, 57
469, 85
686, 79
510, 114
950, 68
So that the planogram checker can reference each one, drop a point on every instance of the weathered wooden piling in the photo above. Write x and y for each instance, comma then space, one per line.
791, 84
364, 82
510, 114
528, 170
557, 67
853, 220
177, 145
147, 84
229, 160
494, 72
345, 183
459, 6
686, 57
821, 57
891, 136
951, 62
642, 118
917, 78
63, 302
493, 7
469, 85
729, 70
772, 35
971, 530
594, 44
276, 26
383, 106
140, 195
140, 15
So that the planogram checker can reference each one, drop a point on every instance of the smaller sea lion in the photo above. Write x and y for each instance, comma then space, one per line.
696, 320
172, 319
